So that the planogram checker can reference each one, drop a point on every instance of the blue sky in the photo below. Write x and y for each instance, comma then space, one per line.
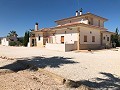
21, 15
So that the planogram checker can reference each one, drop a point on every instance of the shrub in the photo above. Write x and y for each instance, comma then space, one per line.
12, 43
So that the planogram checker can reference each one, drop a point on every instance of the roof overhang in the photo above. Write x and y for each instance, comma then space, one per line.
77, 24
107, 32
83, 15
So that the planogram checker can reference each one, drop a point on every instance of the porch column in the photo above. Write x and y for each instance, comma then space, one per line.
78, 43
48, 40
101, 37
30, 42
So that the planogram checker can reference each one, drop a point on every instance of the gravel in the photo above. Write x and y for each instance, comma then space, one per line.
74, 65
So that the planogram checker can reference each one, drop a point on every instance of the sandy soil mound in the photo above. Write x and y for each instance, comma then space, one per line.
26, 80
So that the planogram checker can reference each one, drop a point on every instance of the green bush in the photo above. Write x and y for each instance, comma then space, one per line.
13, 43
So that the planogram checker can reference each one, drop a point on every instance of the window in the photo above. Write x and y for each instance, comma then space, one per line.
93, 38
107, 38
62, 39
39, 38
85, 38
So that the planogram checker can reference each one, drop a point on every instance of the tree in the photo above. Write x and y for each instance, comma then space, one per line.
20, 40
12, 34
115, 38
26, 38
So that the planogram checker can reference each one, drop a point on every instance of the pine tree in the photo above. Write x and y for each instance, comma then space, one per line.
26, 38
28, 35
115, 38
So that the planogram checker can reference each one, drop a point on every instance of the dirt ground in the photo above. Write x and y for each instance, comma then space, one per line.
20, 76
96, 69
28, 80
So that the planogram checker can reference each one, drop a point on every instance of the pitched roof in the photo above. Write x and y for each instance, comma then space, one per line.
83, 15
74, 24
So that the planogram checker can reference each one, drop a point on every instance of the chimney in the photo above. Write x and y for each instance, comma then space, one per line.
81, 11
36, 26
77, 13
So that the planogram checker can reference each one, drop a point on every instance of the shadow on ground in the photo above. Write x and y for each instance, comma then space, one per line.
40, 62
112, 82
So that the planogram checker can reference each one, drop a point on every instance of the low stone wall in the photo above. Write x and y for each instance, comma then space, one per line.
70, 47
108, 45
89, 46
60, 47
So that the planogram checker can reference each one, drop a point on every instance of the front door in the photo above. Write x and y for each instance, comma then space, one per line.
62, 39
33, 42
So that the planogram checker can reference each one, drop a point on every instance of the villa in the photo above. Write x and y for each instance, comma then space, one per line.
80, 32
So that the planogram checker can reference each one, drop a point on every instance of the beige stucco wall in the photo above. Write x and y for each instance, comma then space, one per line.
86, 31
101, 23
60, 47
96, 22
70, 36
104, 41
39, 43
